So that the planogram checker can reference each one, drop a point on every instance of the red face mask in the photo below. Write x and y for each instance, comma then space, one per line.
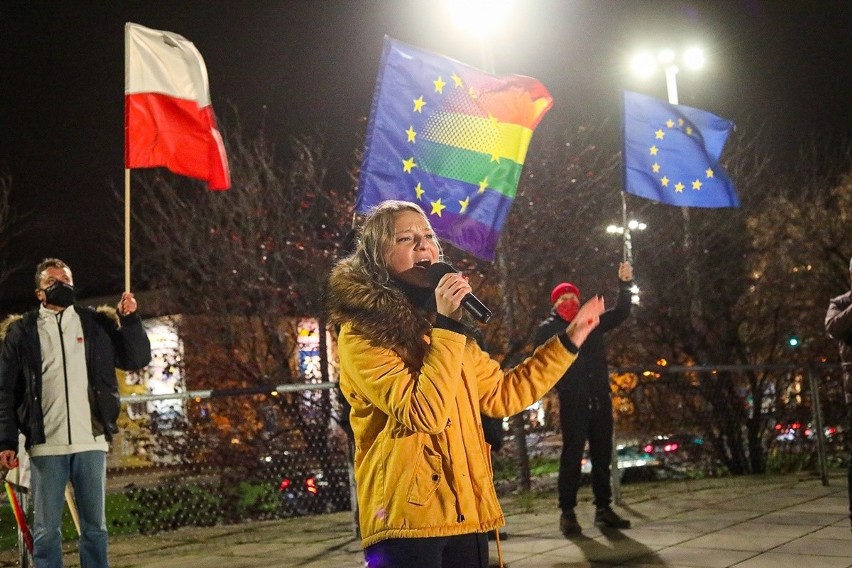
568, 309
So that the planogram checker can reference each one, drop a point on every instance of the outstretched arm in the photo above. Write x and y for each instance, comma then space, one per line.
614, 317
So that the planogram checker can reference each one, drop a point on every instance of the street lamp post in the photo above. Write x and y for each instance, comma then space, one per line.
692, 58
627, 232
489, 14
644, 64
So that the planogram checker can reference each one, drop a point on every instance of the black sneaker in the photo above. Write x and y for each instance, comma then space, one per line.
568, 525
607, 518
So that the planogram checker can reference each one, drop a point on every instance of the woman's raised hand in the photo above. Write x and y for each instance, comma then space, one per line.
586, 320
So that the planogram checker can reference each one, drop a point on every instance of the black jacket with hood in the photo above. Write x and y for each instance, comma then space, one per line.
112, 341
588, 377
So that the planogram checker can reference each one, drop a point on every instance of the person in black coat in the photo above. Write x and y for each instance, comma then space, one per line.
585, 406
838, 324
58, 388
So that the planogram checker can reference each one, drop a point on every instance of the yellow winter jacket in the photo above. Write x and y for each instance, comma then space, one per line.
422, 466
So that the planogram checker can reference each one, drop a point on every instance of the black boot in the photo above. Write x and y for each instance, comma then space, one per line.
607, 518
568, 524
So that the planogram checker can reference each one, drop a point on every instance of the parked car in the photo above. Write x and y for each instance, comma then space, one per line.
633, 465
793, 431
311, 490
313, 493
675, 448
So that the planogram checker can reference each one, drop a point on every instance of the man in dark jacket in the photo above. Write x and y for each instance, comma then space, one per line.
585, 406
58, 388
838, 324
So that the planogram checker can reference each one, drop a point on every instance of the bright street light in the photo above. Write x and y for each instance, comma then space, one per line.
693, 58
645, 64
632, 225
478, 16
634, 294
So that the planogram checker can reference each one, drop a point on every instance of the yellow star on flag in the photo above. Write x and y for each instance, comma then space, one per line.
664, 181
439, 85
408, 165
411, 134
709, 172
656, 168
696, 185
679, 187
464, 205
419, 103
654, 150
670, 123
660, 134
456, 79
437, 207
419, 191
482, 185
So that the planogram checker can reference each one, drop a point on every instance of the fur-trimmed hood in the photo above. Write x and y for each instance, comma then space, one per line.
6, 323
358, 299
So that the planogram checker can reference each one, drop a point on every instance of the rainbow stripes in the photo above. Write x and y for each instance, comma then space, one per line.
452, 139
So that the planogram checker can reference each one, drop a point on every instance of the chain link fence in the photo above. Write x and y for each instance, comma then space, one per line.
705, 421
202, 458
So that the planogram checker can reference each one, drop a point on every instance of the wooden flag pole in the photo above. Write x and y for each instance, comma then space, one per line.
127, 229
72, 506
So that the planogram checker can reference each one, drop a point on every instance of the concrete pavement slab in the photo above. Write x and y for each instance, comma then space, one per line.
756, 522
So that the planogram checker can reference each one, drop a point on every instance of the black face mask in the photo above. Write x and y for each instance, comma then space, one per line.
59, 294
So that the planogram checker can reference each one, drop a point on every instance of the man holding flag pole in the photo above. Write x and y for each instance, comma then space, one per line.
57, 354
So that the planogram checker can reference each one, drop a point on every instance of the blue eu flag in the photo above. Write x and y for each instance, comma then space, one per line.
671, 153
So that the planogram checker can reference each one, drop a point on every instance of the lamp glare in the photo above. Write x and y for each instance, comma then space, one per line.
643, 64
693, 58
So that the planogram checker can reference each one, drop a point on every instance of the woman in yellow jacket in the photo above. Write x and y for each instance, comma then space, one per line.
417, 383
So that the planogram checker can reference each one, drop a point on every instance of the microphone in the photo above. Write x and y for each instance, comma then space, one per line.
470, 303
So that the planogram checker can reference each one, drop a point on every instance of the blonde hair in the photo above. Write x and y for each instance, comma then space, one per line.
376, 235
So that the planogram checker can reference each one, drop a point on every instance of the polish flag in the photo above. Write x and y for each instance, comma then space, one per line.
168, 116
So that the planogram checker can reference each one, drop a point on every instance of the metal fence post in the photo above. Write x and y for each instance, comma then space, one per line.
820, 429
615, 475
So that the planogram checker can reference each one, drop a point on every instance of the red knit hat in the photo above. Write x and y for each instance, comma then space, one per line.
563, 288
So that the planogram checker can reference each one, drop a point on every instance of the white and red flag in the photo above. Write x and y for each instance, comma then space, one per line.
168, 116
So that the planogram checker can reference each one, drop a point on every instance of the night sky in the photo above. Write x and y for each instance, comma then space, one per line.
310, 65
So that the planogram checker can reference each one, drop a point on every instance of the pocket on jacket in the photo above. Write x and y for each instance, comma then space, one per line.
427, 476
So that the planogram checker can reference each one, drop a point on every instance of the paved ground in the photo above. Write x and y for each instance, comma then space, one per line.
754, 522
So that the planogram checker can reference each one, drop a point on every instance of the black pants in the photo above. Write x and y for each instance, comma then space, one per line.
586, 419
462, 551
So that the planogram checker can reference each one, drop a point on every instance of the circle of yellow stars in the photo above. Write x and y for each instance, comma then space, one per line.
408, 165
665, 181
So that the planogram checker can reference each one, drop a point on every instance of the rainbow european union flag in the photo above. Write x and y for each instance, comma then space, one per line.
671, 153
451, 138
